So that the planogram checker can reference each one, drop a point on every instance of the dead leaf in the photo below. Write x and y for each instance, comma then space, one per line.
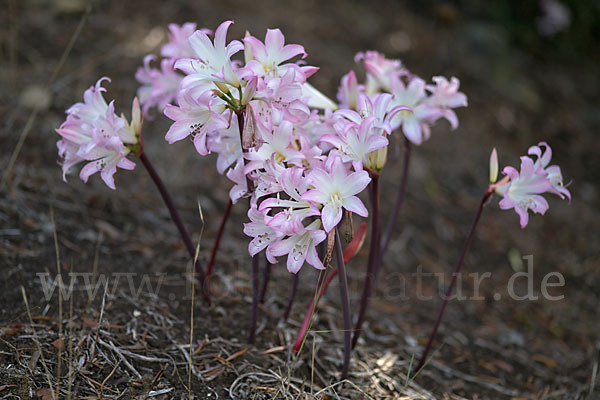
357, 242
89, 322
547, 361
274, 350
45, 394
34, 359
237, 354
109, 230
59, 344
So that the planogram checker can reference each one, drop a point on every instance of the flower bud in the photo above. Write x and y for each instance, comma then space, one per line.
249, 90
377, 159
493, 166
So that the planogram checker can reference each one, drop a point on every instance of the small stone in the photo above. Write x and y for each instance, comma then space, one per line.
35, 97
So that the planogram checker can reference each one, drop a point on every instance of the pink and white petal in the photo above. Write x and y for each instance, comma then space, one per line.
274, 41
90, 169
221, 34
412, 130
330, 216
291, 50
107, 175
126, 163
282, 247
539, 204
313, 258
523, 216
355, 183
314, 195
178, 131
295, 261
355, 205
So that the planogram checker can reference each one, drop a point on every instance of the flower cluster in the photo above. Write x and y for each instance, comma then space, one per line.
300, 157
159, 86
428, 102
93, 133
522, 190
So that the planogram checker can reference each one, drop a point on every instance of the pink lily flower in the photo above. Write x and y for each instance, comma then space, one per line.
94, 133
354, 142
178, 45
266, 59
523, 191
300, 247
553, 171
212, 62
159, 87
335, 189
196, 117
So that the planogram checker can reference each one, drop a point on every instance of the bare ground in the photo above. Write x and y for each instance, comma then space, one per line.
133, 343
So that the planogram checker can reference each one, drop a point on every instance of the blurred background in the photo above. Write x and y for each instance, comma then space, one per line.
530, 69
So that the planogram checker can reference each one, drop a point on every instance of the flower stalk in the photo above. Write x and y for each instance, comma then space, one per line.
391, 227
265, 282
372, 267
347, 319
255, 259
217, 243
459, 264
292, 296
168, 200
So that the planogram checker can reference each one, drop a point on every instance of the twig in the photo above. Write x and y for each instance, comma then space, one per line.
107, 378
60, 303
99, 320
95, 266
114, 348
70, 372
37, 343
192, 305
474, 379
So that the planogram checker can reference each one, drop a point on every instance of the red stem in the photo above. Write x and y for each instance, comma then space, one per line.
322, 285
168, 200
217, 243
459, 264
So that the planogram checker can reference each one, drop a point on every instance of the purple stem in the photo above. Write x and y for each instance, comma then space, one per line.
266, 278
215, 249
255, 260
177, 220
391, 227
293, 290
343, 282
255, 284
459, 264
372, 269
